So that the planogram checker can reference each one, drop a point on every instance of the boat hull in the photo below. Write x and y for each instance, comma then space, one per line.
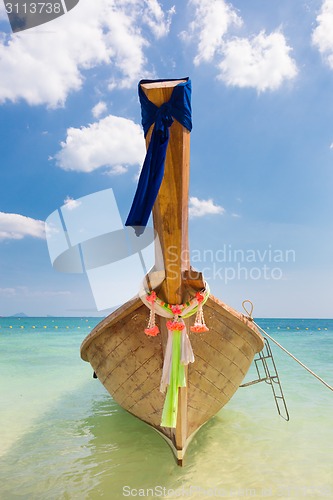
129, 363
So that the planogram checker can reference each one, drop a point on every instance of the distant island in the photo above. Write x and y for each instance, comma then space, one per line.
18, 315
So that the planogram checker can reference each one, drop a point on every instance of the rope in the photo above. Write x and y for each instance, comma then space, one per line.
249, 313
285, 350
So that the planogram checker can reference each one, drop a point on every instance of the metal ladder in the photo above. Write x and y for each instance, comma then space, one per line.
267, 372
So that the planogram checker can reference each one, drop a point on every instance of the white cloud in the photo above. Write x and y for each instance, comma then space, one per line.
199, 208
7, 292
212, 19
46, 63
116, 170
99, 109
155, 18
27, 292
71, 204
16, 227
322, 36
262, 62
112, 142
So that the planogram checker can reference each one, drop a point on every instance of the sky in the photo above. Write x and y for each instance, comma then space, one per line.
261, 184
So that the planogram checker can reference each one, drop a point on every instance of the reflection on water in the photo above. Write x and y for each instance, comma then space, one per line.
81, 451
84, 446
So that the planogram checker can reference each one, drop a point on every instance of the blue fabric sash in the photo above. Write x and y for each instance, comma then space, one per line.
179, 108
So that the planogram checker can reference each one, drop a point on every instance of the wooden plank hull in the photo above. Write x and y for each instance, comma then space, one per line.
129, 364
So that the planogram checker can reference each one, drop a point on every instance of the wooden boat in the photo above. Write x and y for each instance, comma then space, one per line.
129, 363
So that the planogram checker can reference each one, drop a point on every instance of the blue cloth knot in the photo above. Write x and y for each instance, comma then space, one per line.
178, 108
164, 118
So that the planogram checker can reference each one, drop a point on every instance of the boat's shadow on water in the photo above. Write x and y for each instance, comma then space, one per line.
86, 445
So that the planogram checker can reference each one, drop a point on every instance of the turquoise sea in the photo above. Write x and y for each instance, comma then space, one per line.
63, 437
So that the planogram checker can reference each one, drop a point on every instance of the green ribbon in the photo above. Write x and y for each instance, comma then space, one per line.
177, 379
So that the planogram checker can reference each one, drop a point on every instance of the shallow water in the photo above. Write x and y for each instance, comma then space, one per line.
63, 437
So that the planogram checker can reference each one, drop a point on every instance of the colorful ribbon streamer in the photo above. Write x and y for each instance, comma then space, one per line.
178, 352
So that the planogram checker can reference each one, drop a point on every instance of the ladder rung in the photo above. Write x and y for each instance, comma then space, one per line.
272, 380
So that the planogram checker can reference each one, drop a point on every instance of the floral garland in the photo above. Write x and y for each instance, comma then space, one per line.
178, 352
158, 306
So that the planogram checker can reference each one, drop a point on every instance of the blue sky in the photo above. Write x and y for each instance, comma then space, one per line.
261, 147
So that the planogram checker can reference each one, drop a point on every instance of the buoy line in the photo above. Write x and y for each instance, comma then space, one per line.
249, 316
293, 357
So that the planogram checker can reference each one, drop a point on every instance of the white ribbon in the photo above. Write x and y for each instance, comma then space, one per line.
186, 357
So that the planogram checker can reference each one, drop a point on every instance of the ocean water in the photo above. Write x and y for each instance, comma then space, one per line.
63, 437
